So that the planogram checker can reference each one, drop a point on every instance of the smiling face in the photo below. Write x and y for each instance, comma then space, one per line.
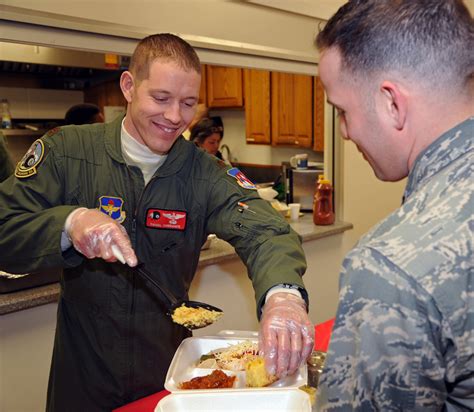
160, 107
211, 143
363, 112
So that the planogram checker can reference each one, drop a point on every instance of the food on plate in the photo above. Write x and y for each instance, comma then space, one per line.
194, 317
256, 375
310, 391
215, 380
231, 358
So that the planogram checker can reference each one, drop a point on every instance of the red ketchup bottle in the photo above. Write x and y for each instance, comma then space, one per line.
323, 213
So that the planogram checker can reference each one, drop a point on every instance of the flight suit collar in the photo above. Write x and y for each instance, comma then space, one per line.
177, 155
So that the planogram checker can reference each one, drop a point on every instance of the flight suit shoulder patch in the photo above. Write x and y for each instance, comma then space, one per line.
241, 179
28, 165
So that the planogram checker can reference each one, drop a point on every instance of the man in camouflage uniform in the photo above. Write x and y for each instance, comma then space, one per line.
400, 74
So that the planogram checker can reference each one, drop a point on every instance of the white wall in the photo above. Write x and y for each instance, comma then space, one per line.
234, 137
26, 343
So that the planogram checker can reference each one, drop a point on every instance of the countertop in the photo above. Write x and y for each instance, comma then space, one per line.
219, 251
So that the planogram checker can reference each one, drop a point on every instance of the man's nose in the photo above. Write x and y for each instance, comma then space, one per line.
173, 113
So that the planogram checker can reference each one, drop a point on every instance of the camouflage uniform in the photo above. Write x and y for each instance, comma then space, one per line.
403, 339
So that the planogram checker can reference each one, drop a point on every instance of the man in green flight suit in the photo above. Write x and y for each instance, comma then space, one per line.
6, 165
138, 185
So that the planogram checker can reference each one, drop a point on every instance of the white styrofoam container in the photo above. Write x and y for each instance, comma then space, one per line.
290, 400
183, 366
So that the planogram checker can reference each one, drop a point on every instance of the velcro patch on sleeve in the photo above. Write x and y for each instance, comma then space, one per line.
28, 165
242, 180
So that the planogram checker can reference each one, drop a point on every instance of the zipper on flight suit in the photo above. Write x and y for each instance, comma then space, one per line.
134, 287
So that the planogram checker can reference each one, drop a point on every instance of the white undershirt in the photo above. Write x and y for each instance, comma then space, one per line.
139, 155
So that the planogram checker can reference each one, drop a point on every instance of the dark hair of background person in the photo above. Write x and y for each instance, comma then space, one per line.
85, 113
163, 46
430, 41
205, 128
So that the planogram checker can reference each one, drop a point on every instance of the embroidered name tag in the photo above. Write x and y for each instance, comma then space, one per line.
166, 219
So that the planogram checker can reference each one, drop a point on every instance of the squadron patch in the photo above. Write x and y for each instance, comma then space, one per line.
166, 219
112, 206
27, 166
242, 180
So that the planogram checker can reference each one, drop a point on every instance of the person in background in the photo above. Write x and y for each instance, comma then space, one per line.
202, 111
401, 77
137, 185
85, 113
6, 165
208, 134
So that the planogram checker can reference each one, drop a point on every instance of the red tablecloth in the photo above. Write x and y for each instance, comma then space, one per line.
148, 404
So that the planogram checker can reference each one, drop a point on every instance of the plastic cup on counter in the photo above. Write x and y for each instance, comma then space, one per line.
294, 211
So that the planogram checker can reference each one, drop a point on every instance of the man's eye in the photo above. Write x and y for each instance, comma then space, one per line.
190, 104
161, 99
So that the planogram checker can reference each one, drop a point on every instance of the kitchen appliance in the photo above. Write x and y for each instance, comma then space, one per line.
300, 185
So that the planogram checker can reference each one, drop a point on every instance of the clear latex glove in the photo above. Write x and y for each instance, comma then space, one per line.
93, 233
286, 337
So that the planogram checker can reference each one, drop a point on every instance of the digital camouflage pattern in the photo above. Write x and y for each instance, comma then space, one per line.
403, 339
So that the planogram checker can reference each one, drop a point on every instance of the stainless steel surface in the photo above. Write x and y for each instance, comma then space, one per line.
300, 186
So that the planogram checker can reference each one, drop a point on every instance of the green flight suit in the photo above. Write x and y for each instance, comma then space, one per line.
6, 165
114, 341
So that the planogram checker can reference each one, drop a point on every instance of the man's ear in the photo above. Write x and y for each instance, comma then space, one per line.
394, 104
127, 85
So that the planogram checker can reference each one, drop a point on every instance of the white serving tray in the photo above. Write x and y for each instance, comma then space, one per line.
290, 400
183, 366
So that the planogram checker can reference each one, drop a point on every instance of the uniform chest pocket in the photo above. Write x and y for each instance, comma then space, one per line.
167, 233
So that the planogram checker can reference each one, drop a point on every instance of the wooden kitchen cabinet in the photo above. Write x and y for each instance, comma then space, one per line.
202, 90
292, 109
318, 115
105, 94
224, 86
257, 106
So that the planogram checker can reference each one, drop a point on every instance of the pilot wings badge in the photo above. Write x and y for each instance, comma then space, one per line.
166, 219
112, 206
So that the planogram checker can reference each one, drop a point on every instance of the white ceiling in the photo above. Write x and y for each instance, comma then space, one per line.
321, 9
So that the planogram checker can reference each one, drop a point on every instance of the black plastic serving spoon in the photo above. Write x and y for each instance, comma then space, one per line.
173, 302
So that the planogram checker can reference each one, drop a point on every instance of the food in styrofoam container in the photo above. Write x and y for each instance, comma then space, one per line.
233, 357
236, 401
184, 365
215, 380
256, 375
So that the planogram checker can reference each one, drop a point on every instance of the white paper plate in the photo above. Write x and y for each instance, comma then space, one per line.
288, 400
183, 366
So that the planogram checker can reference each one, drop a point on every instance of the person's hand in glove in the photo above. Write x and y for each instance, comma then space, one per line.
94, 234
286, 336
